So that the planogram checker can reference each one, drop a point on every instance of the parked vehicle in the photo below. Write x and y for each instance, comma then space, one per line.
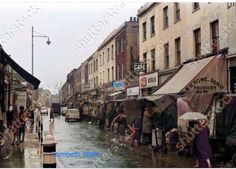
63, 111
56, 108
72, 114
44, 110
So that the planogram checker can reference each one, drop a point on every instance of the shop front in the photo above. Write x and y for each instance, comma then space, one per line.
201, 86
232, 74
8, 83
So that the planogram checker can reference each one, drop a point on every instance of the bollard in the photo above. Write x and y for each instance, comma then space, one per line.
41, 128
49, 152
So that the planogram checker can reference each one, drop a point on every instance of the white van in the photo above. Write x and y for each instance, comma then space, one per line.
72, 114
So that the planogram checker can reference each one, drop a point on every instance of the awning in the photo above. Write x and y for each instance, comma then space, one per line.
23, 73
116, 93
151, 98
208, 75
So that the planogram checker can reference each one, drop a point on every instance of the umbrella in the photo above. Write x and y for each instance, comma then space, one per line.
192, 116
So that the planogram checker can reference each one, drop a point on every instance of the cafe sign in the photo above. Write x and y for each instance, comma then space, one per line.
139, 67
149, 80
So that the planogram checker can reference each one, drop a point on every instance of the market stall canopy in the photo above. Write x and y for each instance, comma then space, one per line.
192, 116
23, 73
151, 98
161, 101
116, 93
207, 75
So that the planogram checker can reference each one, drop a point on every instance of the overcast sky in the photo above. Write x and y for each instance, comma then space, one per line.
67, 25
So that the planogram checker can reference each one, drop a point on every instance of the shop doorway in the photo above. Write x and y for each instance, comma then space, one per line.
233, 79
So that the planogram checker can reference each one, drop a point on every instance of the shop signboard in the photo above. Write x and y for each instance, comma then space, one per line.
148, 80
139, 67
133, 91
118, 85
205, 85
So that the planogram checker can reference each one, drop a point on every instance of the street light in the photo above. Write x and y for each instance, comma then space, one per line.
38, 36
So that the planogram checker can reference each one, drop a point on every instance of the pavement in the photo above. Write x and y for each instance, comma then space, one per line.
24, 155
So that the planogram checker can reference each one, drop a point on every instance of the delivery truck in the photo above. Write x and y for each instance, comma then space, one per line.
56, 108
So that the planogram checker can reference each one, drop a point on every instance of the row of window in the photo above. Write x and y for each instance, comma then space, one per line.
120, 46
93, 67
94, 81
177, 18
120, 71
197, 47
102, 75
110, 55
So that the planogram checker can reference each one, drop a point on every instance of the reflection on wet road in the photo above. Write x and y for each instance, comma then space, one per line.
82, 136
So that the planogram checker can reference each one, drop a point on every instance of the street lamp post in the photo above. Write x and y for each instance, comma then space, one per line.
39, 36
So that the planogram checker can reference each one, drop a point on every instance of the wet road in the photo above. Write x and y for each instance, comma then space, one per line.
82, 136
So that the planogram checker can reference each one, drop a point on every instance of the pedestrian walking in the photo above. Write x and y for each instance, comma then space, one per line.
10, 116
2, 127
16, 131
137, 125
121, 119
203, 149
147, 126
22, 125
102, 116
51, 117
111, 114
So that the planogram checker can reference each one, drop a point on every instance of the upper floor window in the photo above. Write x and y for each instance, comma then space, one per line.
118, 46
144, 31
94, 66
112, 52
112, 73
215, 36
153, 59
177, 11
196, 6
108, 74
122, 45
165, 17
166, 56
197, 42
145, 60
100, 57
177, 51
108, 54
152, 21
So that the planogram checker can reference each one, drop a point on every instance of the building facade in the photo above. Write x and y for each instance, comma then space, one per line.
127, 49
173, 33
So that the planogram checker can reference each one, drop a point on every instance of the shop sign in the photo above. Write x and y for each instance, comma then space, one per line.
149, 80
133, 91
205, 85
139, 67
118, 85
